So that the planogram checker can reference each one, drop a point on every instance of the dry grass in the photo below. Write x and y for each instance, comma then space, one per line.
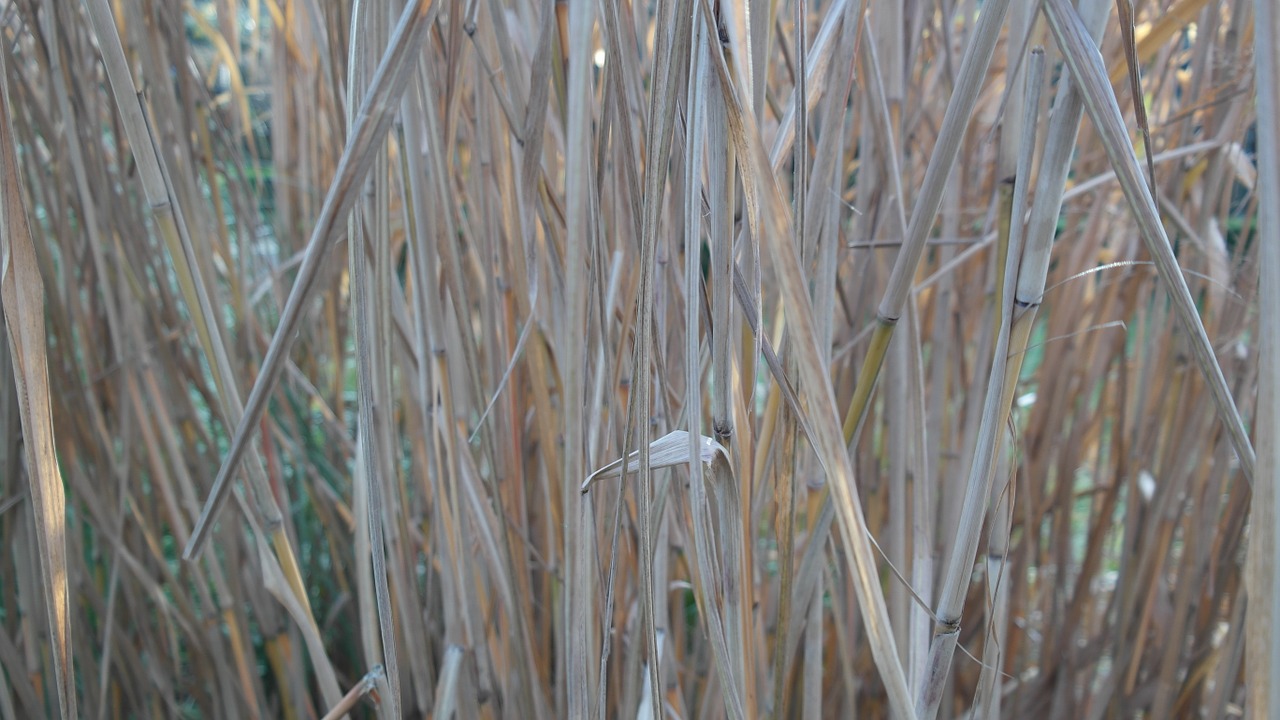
405, 282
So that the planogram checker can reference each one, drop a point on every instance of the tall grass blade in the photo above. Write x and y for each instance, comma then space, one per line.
1262, 580
23, 293
580, 545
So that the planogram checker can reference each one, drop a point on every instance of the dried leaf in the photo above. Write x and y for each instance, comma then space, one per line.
667, 451
22, 292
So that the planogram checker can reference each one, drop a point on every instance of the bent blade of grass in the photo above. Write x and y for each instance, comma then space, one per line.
370, 129
279, 587
667, 451
360, 690
22, 296
1086, 67
719, 580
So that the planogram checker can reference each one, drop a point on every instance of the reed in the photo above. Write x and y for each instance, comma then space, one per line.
499, 358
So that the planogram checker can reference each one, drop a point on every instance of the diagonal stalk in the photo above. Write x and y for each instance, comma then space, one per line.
373, 121
1082, 56
977, 57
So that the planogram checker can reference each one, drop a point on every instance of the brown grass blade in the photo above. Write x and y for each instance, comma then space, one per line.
672, 48
1125, 11
23, 293
1171, 21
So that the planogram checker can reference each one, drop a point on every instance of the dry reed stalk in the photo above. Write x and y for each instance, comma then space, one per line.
959, 110
369, 310
1010, 348
760, 190
1001, 494
580, 537
1261, 578
501, 223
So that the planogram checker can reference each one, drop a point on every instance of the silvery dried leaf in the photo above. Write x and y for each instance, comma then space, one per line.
669, 450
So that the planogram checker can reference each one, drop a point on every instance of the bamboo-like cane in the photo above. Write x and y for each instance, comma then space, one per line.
1006, 367
1262, 618
973, 68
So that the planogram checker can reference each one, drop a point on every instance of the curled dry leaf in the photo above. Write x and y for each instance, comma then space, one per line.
667, 451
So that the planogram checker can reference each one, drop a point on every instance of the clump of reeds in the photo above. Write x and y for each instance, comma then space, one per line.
605, 359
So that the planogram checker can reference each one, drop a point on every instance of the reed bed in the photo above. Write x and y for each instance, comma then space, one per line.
489, 359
